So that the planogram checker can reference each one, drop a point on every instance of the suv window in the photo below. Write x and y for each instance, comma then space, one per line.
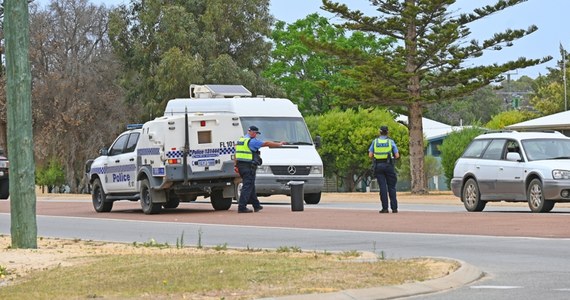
495, 149
537, 149
476, 148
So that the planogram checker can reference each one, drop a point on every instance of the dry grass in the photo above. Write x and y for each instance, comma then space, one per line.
63, 269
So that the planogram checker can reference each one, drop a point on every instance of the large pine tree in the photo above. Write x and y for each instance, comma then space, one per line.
427, 65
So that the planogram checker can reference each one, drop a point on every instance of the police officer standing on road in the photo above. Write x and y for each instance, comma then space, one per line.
247, 160
384, 152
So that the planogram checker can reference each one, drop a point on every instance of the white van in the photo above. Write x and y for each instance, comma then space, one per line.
278, 120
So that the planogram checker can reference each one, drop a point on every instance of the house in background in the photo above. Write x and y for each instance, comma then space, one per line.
434, 132
559, 122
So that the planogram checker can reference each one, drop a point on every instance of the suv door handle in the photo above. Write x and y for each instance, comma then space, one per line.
132, 159
117, 161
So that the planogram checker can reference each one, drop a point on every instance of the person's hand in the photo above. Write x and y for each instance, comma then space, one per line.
236, 169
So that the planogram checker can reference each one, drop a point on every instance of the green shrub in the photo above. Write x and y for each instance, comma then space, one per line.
453, 147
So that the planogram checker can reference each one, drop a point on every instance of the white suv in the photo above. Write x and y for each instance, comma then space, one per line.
514, 166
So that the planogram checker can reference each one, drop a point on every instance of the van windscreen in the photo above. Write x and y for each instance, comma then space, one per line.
280, 129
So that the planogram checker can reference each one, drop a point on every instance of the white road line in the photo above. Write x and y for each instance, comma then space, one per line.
496, 287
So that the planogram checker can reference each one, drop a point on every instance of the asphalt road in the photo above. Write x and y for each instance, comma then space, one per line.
524, 255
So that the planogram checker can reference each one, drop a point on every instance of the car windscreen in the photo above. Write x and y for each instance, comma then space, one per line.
280, 129
543, 149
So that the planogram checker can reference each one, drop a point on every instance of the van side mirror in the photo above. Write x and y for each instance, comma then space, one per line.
317, 141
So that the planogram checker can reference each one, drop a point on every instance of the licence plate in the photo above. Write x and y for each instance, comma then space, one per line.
206, 162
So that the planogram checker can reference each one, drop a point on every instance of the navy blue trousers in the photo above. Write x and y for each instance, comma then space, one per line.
248, 194
387, 179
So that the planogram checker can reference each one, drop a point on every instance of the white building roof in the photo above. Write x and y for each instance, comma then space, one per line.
556, 121
432, 129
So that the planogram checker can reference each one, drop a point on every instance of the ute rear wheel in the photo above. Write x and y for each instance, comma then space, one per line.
147, 205
218, 200
173, 201
471, 197
99, 198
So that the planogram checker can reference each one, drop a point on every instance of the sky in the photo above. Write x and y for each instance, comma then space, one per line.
551, 16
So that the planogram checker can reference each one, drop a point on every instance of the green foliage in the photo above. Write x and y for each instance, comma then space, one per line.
346, 137
453, 147
50, 175
479, 106
510, 117
166, 46
549, 95
309, 77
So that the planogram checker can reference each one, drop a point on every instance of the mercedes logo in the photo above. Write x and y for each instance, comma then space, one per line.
291, 170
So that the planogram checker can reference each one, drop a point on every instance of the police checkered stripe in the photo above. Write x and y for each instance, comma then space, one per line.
100, 170
220, 151
120, 168
148, 151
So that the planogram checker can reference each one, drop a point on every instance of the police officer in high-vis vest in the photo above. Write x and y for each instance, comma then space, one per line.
384, 152
247, 160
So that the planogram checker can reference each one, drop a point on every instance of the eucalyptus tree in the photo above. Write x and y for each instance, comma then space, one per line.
164, 46
427, 65
77, 105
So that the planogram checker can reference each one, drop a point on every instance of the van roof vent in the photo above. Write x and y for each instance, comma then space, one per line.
218, 91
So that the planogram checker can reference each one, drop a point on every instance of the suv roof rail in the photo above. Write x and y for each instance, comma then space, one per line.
498, 131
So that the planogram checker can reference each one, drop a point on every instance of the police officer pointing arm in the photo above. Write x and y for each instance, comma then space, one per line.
383, 152
247, 160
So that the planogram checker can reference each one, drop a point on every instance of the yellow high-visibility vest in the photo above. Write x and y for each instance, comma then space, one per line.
382, 148
243, 153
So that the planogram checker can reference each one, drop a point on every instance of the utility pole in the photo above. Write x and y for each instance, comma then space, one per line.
564, 77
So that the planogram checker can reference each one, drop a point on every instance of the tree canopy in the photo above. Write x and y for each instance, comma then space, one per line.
309, 77
166, 46
427, 65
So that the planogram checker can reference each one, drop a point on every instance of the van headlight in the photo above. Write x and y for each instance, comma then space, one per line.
561, 174
317, 170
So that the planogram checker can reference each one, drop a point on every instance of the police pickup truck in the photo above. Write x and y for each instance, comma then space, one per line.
169, 160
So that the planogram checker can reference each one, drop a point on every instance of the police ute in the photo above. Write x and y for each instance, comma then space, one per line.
169, 160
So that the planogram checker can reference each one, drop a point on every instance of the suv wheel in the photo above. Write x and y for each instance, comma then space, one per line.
471, 197
536, 201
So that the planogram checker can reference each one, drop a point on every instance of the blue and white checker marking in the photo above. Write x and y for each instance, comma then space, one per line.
215, 152
114, 169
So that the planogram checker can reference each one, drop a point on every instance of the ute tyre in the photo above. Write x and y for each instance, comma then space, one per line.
4, 189
313, 198
471, 197
218, 200
99, 198
173, 201
536, 201
147, 206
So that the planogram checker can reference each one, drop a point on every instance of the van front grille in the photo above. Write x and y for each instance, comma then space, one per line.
291, 170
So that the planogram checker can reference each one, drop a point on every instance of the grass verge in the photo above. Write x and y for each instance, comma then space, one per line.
121, 271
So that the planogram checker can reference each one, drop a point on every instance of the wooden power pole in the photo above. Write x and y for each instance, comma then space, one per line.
19, 115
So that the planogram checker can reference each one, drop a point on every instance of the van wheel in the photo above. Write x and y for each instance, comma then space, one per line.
148, 207
99, 198
218, 200
173, 201
471, 197
535, 197
313, 198
4, 189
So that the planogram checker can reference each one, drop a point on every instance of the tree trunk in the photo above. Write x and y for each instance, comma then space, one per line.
19, 116
419, 183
